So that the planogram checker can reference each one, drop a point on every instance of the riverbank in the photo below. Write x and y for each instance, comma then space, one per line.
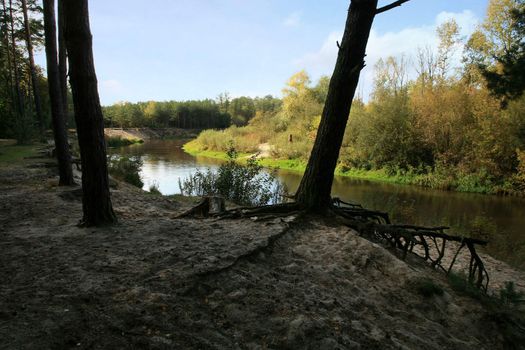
155, 281
469, 183
142, 134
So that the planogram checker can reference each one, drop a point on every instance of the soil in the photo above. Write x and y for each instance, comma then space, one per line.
157, 282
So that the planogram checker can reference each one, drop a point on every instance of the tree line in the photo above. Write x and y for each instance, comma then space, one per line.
196, 114
428, 121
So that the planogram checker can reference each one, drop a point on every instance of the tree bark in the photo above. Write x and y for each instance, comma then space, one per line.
16, 75
314, 190
58, 119
62, 61
32, 69
9, 78
96, 201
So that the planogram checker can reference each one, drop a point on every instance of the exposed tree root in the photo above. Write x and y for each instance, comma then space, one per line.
375, 225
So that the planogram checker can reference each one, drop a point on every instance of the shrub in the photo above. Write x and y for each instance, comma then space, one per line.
126, 169
154, 188
241, 184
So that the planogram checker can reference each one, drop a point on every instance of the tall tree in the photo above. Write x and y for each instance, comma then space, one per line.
96, 201
16, 74
316, 184
507, 80
32, 67
62, 59
57, 113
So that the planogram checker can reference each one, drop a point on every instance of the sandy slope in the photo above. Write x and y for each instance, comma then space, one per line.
163, 283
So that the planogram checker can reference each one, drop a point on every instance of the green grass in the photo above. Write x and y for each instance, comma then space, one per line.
15, 154
119, 141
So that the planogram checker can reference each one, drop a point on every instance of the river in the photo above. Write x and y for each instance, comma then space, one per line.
501, 220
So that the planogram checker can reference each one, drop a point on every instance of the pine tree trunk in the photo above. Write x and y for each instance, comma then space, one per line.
16, 76
55, 95
315, 188
32, 69
9, 78
96, 199
62, 61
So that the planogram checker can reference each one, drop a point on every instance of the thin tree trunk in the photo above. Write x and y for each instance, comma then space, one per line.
9, 80
32, 69
96, 201
62, 60
58, 119
314, 190
18, 93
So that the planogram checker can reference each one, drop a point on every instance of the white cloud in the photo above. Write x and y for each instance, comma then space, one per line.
381, 45
293, 20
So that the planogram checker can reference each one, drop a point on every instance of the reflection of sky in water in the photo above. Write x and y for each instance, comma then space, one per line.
501, 219
167, 174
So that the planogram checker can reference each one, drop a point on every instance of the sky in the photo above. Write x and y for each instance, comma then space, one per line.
195, 49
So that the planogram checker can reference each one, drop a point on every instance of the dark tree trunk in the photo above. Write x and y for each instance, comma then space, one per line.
96, 201
314, 190
62, 60
55, 95
16, 76
32, 69
9, 73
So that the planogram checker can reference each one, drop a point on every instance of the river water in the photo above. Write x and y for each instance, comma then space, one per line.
501, 220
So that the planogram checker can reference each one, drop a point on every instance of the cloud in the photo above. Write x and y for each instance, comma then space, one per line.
293, 20
381, 45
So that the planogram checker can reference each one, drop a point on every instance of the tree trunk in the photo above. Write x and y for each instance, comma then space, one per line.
62, 61
32, 69
18, 93
96, 201
314, 190
55, 95
9, 77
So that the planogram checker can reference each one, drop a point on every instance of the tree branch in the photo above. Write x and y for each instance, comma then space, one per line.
391, 6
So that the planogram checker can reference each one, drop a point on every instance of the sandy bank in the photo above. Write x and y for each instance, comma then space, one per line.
156, 282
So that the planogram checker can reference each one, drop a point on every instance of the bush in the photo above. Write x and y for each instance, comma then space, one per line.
241, 184
154, 188
126, 169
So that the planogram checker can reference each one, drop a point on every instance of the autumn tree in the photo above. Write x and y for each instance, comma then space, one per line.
55, 93
96, 201
496, 49
316, 184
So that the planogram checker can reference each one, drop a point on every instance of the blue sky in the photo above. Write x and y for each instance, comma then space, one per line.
194, 49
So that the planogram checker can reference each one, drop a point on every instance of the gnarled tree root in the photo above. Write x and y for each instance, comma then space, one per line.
375, 225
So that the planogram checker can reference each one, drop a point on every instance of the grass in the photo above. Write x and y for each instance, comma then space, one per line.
472, 183
15, 154
119, 141
427, 287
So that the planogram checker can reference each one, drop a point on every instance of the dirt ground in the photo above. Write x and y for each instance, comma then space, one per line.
157, 282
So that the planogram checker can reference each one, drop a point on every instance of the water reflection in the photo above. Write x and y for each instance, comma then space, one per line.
499, 219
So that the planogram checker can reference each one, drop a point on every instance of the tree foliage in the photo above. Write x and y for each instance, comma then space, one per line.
443, 127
